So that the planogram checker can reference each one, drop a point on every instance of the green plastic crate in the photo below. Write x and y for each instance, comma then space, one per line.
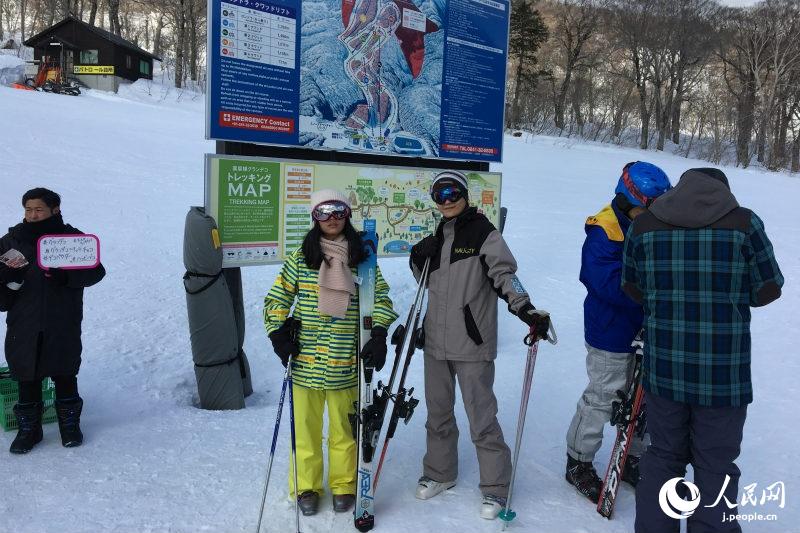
9, 394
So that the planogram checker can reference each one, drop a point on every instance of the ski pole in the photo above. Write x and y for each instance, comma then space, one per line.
507, 515
294, 445
272, 448
294, 333
407, 328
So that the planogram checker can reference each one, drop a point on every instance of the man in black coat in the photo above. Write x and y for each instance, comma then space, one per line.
45, 310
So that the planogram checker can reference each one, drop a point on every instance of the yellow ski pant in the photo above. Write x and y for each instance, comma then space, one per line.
309, 405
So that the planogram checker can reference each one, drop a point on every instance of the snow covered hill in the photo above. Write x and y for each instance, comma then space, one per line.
128, 167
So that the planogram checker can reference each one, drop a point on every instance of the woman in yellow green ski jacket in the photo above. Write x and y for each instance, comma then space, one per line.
318, 279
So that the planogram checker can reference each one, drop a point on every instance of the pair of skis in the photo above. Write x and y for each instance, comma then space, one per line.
373, 402
629, 417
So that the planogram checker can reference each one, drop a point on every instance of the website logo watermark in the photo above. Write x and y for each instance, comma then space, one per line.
673, 504
679, 499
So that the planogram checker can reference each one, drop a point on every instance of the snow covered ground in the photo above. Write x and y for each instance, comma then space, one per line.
128, 167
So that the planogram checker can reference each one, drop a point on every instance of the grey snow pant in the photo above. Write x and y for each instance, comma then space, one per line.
475, 380
608, 373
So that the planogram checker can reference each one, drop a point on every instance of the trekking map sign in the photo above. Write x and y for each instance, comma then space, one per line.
390, 77
263, 207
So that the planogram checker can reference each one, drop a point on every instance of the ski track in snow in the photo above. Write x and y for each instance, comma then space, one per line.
128, 167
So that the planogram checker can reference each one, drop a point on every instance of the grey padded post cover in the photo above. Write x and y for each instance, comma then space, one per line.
212, 321
233, 276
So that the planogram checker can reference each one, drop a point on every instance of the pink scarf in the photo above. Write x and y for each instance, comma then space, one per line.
335, 279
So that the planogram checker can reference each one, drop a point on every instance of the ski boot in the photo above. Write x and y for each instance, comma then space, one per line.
491, 506
583, 476
308, 502
343, 502
428, 488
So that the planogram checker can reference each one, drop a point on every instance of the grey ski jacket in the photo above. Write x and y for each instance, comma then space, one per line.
471, 269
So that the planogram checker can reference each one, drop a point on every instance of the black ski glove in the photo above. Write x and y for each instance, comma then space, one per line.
427, 247
374, 352
12, 275
284, 341
57, 276
537, 319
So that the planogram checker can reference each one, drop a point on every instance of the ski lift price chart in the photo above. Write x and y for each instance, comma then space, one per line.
259, 32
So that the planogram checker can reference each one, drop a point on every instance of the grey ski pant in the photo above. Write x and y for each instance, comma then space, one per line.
475, 379
608, 373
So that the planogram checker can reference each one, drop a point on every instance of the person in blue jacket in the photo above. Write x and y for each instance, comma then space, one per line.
611, 322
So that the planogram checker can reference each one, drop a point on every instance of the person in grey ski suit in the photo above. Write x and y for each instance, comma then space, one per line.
611, 322
470, 266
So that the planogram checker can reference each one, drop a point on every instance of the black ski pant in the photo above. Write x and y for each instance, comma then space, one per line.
66, 389
707, 437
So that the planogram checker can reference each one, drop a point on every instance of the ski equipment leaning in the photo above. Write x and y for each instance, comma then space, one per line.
407, 338
629, 416
364, 421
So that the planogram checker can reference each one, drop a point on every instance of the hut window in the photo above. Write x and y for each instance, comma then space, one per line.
144, 67
128, 62
89, 57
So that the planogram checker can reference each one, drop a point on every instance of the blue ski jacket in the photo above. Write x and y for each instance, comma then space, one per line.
611, 319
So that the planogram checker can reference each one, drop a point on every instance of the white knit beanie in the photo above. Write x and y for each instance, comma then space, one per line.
328, 195
454, 176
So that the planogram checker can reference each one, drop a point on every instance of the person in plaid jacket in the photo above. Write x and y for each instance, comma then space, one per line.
698, 262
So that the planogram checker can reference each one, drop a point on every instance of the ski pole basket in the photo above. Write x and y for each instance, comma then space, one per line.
9, 394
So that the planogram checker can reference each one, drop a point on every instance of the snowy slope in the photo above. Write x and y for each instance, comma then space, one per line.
129, 166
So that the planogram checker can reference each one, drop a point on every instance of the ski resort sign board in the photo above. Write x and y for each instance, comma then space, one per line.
93, 69
263, 206
389, 77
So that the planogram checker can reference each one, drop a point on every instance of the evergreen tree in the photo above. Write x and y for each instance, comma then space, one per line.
527, 33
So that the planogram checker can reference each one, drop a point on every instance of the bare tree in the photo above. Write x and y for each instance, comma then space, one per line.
114, 25
179, 15
196, 18
744, 54
23, 11
782, 21
633, 23
576, 24
93, 12
795, 165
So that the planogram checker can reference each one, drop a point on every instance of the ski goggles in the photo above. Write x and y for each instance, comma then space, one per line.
328, 210
451, 193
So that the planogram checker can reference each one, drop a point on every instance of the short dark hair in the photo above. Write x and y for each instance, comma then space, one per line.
52, 199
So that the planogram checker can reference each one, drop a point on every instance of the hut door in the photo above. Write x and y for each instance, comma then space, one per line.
69, 63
